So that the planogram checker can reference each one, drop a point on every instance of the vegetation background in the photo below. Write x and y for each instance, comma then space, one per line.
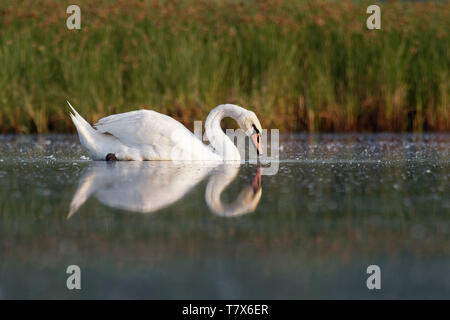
300, 65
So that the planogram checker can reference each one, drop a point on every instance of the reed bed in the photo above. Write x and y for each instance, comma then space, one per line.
300, 65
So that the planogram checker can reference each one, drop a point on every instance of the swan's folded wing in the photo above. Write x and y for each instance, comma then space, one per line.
141, 127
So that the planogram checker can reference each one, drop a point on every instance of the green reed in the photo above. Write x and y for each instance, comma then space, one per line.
300, 65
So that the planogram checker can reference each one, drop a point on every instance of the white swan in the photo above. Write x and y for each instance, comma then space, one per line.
150, 135
147, 187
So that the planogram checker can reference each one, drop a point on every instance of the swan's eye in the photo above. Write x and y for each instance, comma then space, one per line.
256, 130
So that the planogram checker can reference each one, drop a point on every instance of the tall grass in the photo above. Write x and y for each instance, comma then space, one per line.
300, 65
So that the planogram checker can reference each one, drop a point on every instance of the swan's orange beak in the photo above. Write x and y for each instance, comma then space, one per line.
255, 140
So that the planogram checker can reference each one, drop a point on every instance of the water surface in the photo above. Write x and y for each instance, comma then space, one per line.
155, 230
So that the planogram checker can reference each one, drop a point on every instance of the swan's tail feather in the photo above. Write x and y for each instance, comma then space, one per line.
85, 131
80, 119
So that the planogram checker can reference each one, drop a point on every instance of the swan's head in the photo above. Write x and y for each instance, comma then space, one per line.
250, 124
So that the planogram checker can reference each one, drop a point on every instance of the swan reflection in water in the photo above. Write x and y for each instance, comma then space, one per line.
150, 186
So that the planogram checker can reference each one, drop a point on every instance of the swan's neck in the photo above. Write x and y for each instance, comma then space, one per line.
218, 139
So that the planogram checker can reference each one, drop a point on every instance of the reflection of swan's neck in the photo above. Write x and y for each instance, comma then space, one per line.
246, 202
216, 184
218, 139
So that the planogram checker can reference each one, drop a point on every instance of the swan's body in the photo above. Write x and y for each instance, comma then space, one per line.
150, 135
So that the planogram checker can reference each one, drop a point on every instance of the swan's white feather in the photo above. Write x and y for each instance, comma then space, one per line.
155, 135
143, 129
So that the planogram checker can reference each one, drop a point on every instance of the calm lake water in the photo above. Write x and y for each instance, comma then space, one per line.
338, 204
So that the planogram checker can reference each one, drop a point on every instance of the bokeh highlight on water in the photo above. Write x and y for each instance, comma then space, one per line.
339, 203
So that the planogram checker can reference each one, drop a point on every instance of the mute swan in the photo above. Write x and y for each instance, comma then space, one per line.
150, 135
150, 186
